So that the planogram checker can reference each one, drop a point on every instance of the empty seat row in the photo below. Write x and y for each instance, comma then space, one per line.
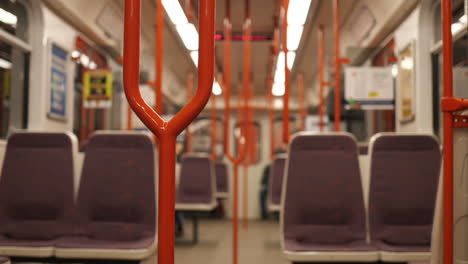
113, 216
323, 212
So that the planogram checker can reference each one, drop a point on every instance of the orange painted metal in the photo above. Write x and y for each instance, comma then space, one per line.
167, 131
302, 107
271, 118
287, 74
189, 10
91, 122
449, 104
158, 62
227, 114
338, 61
322, 82
189, 97
214, 128
248, 110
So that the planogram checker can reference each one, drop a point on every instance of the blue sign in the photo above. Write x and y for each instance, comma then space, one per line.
58, 82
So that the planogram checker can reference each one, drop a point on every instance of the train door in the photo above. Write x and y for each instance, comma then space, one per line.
14, 67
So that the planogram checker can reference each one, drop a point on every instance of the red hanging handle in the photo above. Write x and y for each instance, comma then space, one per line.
167, 131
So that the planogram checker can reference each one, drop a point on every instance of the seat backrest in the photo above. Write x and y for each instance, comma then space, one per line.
116, 199
403, 189
197, 180
221, 177
322, 193
276, 179
36, 186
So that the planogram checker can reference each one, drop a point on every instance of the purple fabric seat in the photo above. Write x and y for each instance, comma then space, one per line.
116, 205
363, 149
197, 183
404, 177
221, 178
4, 260
323, 206
276, 183
36, 190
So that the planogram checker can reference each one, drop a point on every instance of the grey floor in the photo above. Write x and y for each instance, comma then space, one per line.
258, 244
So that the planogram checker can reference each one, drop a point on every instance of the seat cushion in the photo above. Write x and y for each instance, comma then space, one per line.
355, 246
82, 242
382, 246
13, 242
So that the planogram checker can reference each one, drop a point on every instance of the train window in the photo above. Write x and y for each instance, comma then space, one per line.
254, 154
202, 130
14, 68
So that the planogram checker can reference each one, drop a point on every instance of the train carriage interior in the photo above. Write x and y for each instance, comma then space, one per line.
233, 131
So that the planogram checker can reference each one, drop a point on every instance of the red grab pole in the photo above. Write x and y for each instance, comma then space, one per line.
287, 73
322, 82
158, 63
214, 128
227, 114
167, 131
448, 131
336, 11
271, 117
302, 107
189, 97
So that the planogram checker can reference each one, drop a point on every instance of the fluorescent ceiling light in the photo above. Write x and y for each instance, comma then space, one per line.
194, 56
291, 59
294, 36
278, 89
189, 35
217, 89
407, 63
278, 103
5, 64
75, 54
463, 19
298, 11
7, 17
84, 60
92, 65
394, 70
456, 27
175, 12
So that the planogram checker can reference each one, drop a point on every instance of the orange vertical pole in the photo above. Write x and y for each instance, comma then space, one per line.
302, 107
167, 131
336, 11
248, 110
322, 82
158, 63
287, 73
214, 129
84, 120
236, 161
189, 97
448, 132
271, 117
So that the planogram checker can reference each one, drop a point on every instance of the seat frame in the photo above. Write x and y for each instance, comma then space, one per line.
274, 208
389, 255
320, 256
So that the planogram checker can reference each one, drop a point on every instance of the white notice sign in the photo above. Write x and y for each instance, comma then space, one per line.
369, 87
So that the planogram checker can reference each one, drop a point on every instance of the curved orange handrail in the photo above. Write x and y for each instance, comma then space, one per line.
167, 131
189, 97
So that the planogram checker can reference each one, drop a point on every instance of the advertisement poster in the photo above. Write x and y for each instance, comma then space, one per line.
58, 82
370, 88
97, 88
